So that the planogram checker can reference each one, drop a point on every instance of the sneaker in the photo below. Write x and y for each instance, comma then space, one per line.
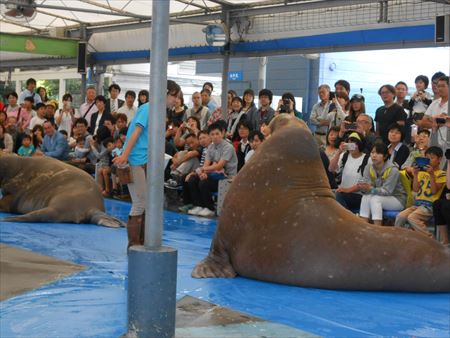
195, 210
205, 212
172, 184
185, 208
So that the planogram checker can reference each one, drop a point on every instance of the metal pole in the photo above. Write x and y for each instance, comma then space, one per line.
226, 65
152, 268
83, 75
262, 71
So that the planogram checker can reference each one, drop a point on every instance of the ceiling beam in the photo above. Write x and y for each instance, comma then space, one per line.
191, 3
59, 16
20, 25
116, 10
223, 3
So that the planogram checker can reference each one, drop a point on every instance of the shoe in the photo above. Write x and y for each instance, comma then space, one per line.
195, 210
205, 212
172, 184
185, 208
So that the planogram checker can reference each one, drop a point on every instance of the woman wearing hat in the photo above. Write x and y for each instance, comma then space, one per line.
357, 107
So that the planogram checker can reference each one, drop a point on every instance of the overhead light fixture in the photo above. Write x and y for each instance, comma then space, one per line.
216, 35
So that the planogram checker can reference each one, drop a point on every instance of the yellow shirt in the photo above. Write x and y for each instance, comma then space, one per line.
424, 195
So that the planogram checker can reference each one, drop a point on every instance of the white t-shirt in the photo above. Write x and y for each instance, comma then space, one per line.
129, 112
249, 155
350, 174
36, 121
437, 108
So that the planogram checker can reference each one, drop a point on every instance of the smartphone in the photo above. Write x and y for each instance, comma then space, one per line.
440, 120
422, 162
331, 96
350, 126
418, 116
447, 154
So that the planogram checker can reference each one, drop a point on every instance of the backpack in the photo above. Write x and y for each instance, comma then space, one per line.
360, 168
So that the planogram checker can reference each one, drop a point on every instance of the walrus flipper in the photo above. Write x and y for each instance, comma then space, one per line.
100, 218
210, 268
41, 215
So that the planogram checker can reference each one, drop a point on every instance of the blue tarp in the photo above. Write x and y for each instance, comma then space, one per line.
93, 302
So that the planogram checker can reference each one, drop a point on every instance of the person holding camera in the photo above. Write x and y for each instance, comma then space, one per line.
441, 209
357, 107
420, 147
340, 111
428, 184
286, 105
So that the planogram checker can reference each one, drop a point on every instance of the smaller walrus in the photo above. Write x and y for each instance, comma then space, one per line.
44, 189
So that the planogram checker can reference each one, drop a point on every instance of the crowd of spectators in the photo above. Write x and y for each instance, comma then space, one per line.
393, 162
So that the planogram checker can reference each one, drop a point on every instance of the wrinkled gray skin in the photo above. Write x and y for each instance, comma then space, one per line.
281, 223
43, 189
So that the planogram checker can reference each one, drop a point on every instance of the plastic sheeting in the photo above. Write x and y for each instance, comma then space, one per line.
93, 302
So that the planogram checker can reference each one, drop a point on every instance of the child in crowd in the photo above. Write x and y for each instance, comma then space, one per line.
381, 186
421, 99
80, 151
27, 148
256, 138
39, 119
104, 158
116, 152
428, 184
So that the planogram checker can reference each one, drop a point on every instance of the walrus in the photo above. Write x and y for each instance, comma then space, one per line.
280, 223
44, 189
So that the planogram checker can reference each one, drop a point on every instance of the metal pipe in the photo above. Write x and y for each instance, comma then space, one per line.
262, 72
226, 65
158, 92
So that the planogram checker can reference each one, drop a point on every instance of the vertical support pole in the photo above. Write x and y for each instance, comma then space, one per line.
226, 65
152, 268
83, 37
262, 72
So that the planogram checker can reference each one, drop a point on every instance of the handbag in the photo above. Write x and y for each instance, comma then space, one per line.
124, 174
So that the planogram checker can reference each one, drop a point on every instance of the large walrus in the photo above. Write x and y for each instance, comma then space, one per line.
281, 223
43, 189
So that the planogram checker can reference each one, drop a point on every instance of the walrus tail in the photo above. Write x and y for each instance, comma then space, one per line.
216, 264
100, 218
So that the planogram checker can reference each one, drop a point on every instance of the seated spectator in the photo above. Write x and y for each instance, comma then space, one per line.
65, 116
191, 126
54, 144
171, 132
381, 186
178, 112
185, 162
80, 152
421, 99
37, 134
198, 110
220, 163
255, 138
27, 148
211, 103
428, 184
128, 109
441, 209
25, 114
3, 117
420, 147
13, 107
398, 152
286, 105
143, 97
357, 107
6, 140
102, 150
50, 112
243, 147
216, 114
39, 119
110, 123
121, 122
349, 163
42, 91
331, 147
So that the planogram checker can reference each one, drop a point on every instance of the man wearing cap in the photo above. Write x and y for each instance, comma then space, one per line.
265, 113
50, 112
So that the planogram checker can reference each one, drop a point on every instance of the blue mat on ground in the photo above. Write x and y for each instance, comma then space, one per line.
93, 302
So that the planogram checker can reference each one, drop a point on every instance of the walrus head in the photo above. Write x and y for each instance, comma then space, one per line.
9, 167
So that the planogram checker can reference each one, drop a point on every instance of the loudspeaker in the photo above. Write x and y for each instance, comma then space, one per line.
442, 29
82, 46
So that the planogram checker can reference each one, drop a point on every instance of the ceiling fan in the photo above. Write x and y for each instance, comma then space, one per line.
18, 10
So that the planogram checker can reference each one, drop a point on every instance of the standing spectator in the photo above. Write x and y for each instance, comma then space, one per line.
340, 111
398, 152
143, 97
286, 105
319, 114
428, 184
401, 91
88, 108
29, 92
206, 100
198, 110
216, 115
381, 186
249, 102
42, 91
51, 106
234, 117
102, 150
24, 115
135, 153
65, 116
421, 99
434, 82
357, 107
113, 103
27, 148
212, 104
12, 108
265, 113
6, 140
129, 109
98, 118
54, 144
342, 87
178, 112
441, 209
389, 113
39, 119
